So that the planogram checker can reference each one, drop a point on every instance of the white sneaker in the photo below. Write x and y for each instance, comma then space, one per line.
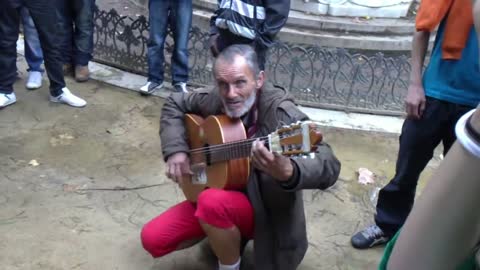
7, 99
68, 98
150, 87
34, 80
180, 87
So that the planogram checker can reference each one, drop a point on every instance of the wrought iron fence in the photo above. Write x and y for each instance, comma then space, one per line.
320, 77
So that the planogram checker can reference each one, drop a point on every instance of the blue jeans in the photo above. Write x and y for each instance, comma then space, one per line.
77, 18
33, 50
177, 14
44, 15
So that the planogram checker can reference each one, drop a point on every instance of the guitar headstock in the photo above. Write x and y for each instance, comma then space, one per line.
297, 139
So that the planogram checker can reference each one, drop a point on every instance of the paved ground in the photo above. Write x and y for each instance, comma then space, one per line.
47, 223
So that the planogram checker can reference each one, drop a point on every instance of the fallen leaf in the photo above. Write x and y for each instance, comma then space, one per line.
33, 163
365, 176
69, 188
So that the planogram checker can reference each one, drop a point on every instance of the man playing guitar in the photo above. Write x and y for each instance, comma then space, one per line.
269, 210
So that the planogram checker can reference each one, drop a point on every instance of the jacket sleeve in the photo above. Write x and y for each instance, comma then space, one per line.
276, 15
213, 26
172, 129
320, 172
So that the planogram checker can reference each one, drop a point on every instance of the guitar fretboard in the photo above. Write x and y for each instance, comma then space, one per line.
228, 151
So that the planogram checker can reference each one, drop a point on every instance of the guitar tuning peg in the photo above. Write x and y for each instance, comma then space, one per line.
304, 156
312, 155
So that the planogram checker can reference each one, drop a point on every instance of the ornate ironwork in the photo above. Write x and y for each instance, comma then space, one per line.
320, 77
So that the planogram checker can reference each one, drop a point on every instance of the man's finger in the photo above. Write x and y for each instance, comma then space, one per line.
258, 164
178, 173
263, 153
422, 106
171, 171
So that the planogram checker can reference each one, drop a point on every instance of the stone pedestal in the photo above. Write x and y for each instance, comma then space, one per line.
354, 8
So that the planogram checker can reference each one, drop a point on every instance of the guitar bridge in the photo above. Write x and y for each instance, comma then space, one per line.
199, 176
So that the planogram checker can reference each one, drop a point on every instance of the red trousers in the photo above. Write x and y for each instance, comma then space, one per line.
218, 208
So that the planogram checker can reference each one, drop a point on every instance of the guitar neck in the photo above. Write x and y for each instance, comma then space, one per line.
230, 151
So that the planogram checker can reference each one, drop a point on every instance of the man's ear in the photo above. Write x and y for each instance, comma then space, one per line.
260, 79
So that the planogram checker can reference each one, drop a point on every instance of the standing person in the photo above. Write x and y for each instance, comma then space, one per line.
251, 22
33, 51
178, 15
270, 209
44, 15
77, 15
450, 88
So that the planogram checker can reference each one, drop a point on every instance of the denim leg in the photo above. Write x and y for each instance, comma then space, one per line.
33, 50
83, 38
181, 23
417, 143
9, 29
44, 15
158, 16
65, 18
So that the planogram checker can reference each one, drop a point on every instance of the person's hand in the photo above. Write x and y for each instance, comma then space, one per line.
274, 164
415, 101
178, 165
212, 41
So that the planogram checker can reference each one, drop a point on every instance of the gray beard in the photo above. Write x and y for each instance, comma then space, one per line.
246, 107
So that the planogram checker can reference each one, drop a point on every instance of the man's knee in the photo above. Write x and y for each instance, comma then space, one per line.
212, 199
154, 242
212, 209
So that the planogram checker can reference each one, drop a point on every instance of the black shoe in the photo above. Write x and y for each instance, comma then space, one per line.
181, 87
150, 87
369, 237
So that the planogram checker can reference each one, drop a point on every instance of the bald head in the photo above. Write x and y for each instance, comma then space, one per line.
229, 55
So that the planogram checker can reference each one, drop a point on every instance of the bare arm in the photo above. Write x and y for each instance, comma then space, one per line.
444, 225
415, 100
419, 51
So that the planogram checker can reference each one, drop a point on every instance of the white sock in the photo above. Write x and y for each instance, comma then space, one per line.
235, 266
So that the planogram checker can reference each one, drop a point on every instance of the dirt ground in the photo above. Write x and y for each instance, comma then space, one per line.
48, 152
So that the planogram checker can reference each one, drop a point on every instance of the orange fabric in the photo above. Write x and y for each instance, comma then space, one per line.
458, 24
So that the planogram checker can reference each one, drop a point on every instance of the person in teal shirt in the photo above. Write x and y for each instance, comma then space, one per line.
443, 230
435, 101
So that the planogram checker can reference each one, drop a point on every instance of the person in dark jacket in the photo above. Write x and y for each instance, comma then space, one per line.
254, 22
270, 210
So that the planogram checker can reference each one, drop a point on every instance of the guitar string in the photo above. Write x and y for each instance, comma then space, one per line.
222, 148
229, 144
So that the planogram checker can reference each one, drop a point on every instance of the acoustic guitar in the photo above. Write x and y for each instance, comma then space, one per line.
220, 151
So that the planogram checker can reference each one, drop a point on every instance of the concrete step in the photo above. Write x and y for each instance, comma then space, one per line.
336, 32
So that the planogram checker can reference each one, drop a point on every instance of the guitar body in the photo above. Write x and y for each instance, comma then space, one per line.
209, 132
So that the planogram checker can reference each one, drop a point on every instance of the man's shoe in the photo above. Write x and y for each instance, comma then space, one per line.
181, 87
150, 87
67, 69
82, 74
34, 80
369, 237
68, 98
7, 99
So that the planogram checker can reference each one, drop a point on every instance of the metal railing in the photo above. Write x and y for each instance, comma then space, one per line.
332, 78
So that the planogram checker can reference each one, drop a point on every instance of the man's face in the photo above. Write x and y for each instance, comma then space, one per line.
237, 85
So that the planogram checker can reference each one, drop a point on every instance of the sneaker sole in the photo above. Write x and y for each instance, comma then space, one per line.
62, 102
8, 104
82, 79
149, 93
33, 87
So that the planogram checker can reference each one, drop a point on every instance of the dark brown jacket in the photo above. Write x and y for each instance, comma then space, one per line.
280, 239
